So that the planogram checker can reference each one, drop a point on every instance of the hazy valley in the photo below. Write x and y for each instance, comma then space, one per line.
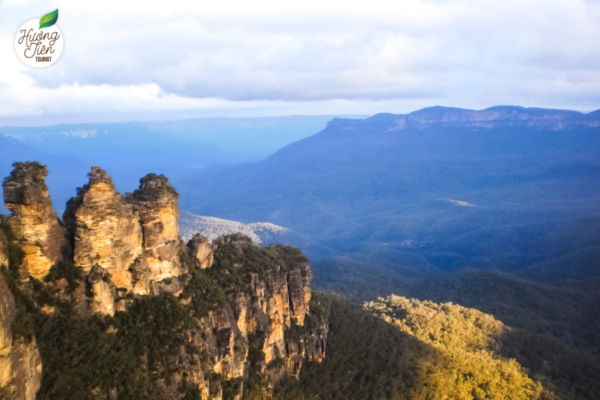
495, 210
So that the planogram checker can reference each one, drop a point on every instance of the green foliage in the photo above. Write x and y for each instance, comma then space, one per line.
15, 256
571, 372
24, 328
107, 352
65, 269
468, 337
255, 387
231, 388
320, 309
241, 260
204, 291
255, 355
371, 359
277, 363
128, 351
555, 329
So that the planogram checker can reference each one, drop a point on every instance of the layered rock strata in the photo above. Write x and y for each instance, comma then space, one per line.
126, 247
104, 229
277, 300
155, 203
20, 362
256, 331
33, 219
105, 234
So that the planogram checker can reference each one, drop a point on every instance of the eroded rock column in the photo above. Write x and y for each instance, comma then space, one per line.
155, 202
106, 234
33, 219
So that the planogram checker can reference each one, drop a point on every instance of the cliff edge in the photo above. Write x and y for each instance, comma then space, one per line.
118, 286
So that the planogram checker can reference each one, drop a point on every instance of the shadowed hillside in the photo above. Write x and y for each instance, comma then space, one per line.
507, 188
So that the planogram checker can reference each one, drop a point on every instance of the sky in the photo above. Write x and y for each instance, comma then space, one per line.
127, 60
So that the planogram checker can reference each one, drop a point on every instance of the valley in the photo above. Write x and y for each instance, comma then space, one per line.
382, 228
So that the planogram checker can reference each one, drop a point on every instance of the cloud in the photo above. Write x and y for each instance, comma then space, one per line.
155, 56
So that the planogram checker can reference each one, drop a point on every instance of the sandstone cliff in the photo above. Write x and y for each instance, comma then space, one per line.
155, 203
196, 320
125, 245
20, 363
257, 327
33, 219
3, 250
106, 237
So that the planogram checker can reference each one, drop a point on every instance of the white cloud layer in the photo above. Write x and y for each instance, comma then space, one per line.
315, 57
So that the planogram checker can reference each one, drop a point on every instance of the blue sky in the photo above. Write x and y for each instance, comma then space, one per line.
128, 60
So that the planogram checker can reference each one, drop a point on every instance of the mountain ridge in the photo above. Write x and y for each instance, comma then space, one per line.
486, 118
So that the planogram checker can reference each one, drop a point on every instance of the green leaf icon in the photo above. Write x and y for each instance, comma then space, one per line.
49, 19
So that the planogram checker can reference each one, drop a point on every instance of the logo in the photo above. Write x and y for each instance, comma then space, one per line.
39, 43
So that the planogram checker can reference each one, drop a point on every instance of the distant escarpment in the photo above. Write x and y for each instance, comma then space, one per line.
121, 308
493, 117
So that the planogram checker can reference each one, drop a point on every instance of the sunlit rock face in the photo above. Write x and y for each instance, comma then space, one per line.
33, 219
155, 202
133, 240
20, 362
299, 292
130, 246
275, 302
105, 232
3, 250
202, 249
283, 299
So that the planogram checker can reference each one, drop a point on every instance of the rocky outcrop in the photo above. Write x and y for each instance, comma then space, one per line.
155, 203
310, 346
277, 300
105, 232
33, 219
202, 249
298, 281
20, 363
3, 250
134, 240
102, 291
104, 229
241, 309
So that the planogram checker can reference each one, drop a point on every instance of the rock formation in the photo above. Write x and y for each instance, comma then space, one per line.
105, 233
201, 248
105, 230
155, 202
277, 300
20, 363
33, 220
242, 309
259, 329
3, 250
